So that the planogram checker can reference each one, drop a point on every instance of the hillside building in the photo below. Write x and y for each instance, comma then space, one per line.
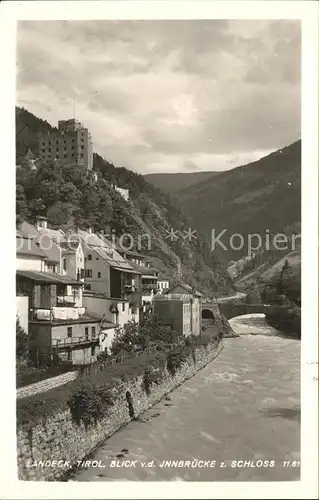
71, 144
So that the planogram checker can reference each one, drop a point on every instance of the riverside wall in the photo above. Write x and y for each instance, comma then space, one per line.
59, 438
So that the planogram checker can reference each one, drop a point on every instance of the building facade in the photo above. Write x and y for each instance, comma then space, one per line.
175, 311
58, 322
70, 144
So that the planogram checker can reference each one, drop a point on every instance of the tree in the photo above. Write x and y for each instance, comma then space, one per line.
150, 332
21, 204
22, 350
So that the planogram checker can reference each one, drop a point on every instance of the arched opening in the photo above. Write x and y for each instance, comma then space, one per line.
208, 318
208, 314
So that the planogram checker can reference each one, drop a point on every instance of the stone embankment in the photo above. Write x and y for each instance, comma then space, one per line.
49, 448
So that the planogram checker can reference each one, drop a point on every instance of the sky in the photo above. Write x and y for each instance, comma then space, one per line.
167, 96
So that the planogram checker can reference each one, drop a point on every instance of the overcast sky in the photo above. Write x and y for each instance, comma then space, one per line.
167, 96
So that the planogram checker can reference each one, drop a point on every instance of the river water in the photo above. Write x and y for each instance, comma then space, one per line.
244, 406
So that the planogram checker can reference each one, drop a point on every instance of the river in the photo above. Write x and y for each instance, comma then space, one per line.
243, 406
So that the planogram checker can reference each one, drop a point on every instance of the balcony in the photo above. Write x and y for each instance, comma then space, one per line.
65, 301
74, 341
58, 314
149, 286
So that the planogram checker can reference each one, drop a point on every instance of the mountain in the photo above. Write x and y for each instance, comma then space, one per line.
263, 197
71, 197
174, 182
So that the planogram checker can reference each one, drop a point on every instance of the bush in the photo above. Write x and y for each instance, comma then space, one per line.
175, 359
286, 319
150, 378
139, 336
90, 404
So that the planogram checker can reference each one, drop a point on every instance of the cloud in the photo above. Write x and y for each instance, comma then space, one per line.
167, 95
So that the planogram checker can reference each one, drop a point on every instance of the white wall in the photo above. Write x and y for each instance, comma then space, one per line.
98, 306
29, 263
22, 308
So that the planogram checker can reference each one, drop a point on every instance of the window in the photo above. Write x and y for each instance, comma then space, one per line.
87, 287
86, 330
65, 156
43, 150
69, 332
93, 332
93, 351
69, 356
49, 150
97, 258
82, 156
99, 275
82, 147
88, 273
89, 257
64, 264
57, 142
123, 306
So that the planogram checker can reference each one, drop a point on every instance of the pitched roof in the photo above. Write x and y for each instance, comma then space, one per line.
27, 247
28, 230
106, 251
69, 246
49, 247
52, 278
187, 288
143, 269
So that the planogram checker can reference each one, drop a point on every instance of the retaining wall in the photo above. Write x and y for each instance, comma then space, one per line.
59, 438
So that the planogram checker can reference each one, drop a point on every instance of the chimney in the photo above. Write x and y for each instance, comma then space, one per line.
42, 223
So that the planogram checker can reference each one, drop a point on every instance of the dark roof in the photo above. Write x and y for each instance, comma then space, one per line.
26, 246
52, 278
187, 288
144, 269
69, 246
47, 245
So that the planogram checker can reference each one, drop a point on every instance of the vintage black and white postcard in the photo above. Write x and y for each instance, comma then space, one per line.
162, 157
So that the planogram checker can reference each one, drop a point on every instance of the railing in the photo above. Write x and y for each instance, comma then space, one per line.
65, 301
58, 313
99, 365
70, 341
149, 286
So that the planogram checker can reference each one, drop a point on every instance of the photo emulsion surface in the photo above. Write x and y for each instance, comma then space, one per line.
158, 250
